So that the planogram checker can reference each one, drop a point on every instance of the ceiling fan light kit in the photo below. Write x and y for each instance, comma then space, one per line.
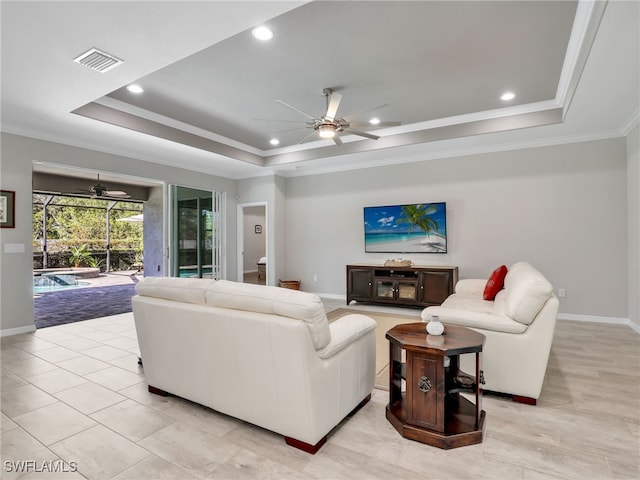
329, 126
327, 130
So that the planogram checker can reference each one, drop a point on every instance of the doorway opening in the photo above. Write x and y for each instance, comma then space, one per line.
196, 229
88, 243
253, 262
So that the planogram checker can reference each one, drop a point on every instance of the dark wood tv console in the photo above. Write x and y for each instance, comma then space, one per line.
412, 286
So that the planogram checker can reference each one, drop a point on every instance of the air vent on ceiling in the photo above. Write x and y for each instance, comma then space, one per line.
98, 60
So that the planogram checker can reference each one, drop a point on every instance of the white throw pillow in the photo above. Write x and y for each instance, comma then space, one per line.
526, 292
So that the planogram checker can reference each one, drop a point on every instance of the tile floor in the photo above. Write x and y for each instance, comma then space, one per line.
75, 393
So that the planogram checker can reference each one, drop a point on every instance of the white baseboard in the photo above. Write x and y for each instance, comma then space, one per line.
332, 296
599, 319
7, 332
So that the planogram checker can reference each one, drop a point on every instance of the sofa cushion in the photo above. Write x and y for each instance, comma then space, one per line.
526, 292
469, 303
187, 290
276, 301
495, 282
471, 286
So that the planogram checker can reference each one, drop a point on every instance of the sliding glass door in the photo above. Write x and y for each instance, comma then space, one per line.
196, 233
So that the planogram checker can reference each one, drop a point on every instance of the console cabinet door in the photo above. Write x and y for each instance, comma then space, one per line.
437, 285
385, 289
360, 285
396, 291
425, 391
407, 291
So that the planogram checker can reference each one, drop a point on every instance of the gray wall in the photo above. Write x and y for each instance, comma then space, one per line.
16, 269
571, 210
154, 252
633, 194
272, 191
18, 154
561, 208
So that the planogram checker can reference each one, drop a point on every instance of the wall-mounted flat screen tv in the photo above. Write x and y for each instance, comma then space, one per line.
415, 228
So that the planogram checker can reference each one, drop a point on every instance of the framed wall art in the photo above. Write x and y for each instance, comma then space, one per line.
7, 209
415, 228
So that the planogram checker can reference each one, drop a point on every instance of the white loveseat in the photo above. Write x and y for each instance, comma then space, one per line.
265, 355
518, 325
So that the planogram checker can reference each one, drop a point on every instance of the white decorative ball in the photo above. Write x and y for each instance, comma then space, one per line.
435, 327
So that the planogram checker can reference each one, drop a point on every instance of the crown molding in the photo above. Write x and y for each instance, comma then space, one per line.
585, 28
632, 122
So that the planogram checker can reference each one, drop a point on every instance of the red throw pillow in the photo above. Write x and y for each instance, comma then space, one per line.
495, 282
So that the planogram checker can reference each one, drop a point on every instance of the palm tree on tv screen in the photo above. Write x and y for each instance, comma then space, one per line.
419, 216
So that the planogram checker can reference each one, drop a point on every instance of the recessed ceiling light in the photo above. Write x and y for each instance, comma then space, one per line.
262, 33
135, 88
274, 141
507, 96
374, 121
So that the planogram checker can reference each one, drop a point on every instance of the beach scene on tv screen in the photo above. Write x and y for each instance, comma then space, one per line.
415, 228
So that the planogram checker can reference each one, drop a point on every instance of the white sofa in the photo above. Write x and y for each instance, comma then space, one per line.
518, 325
265, 355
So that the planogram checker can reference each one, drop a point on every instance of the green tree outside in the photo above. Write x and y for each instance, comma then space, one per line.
75, 223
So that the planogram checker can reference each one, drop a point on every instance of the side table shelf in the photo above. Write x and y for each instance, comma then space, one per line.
460, 383
425, 397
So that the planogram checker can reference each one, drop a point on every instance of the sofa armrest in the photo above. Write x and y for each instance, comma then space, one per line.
471, 286
345, 331
470, 318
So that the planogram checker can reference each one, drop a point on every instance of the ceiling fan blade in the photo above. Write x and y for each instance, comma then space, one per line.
285, 121
332, 108
354, 115
295, 109
291, 130
336, 139
361, 133
312, 134
117, 193
371, 125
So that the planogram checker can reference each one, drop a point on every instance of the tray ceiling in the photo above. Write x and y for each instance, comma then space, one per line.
211, 89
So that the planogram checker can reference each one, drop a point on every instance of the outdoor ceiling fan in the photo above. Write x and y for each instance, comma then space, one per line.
330, 125
101, 191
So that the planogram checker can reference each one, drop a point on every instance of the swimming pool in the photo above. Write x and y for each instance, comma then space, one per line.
56, 288
193, 272
56, 282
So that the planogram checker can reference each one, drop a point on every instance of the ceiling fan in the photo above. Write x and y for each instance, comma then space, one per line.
101, 191
330, 125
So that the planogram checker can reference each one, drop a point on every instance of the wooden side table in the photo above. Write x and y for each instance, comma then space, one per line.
424, 394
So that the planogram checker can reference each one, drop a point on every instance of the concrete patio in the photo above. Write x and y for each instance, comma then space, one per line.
108, 294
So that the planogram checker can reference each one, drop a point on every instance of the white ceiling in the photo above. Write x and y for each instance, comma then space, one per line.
438, 66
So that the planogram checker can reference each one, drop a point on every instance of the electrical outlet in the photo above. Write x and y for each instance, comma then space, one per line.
315, 278
561, 292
